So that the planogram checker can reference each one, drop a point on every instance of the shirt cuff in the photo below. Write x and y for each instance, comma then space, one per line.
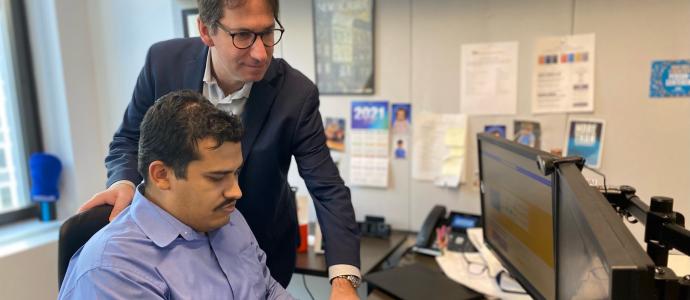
127, 182
343, 269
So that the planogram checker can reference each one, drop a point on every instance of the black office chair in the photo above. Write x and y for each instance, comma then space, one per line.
76, 231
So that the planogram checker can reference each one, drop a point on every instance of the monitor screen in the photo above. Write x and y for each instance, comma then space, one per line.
596, 255
517, 212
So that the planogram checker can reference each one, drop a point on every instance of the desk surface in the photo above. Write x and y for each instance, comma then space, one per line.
417, 281
372, 252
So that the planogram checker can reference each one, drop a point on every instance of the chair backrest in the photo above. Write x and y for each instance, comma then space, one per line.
76, 231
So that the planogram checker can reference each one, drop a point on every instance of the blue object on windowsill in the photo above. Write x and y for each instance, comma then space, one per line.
45, 174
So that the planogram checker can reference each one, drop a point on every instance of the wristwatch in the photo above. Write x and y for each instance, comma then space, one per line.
354, 280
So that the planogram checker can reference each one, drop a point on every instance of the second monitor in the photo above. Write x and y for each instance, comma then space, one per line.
517, 212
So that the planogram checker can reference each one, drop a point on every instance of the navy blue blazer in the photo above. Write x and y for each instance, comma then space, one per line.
281, 119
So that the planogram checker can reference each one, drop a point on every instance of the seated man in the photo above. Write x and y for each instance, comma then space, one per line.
182, 237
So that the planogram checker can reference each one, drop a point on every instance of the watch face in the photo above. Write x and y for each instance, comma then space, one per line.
354, 280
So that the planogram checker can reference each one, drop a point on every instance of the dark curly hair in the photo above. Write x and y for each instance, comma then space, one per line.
174, 125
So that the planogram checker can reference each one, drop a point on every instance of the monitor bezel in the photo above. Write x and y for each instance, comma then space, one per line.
527, 152
629, 261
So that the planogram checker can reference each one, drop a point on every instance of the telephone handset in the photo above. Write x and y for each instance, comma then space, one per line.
426, 235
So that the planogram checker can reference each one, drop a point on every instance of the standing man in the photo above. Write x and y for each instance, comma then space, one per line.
232, 64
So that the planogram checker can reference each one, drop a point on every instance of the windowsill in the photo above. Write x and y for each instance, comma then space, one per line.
25, 235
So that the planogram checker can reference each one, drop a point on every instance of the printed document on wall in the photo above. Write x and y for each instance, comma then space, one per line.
369, 144
563, 79
439, 148
488, 78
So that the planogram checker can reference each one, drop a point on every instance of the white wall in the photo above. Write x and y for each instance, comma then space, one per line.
393, 82
66, 90
88, 71
88, 54
30, 274
647, 141
121, 33
417, 58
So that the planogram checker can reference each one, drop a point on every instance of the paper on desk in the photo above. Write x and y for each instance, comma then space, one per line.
679, 263
455, 267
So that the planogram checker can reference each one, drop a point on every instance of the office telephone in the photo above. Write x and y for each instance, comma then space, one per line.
457, 237
427, 234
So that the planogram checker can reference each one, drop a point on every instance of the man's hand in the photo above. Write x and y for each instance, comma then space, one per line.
118, 195
341, 288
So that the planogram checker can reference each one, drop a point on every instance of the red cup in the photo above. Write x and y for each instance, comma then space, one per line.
302, 238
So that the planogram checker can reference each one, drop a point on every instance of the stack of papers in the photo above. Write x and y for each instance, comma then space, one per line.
455, 266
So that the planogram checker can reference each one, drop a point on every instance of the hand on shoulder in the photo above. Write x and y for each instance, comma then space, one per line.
119, 195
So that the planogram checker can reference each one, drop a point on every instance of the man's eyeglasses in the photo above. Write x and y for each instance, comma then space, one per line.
245, 39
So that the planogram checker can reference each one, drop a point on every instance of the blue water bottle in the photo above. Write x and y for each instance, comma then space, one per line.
45, 174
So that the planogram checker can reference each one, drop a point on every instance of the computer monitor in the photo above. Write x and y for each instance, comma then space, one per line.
517, 212
596, 255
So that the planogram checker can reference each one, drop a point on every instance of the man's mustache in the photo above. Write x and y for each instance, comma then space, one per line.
225, 203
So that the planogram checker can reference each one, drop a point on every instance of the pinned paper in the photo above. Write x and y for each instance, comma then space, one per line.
439, 148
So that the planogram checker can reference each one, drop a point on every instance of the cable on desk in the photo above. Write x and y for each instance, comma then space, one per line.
499, 276
304, 279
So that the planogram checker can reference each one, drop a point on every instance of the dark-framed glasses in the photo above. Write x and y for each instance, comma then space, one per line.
245, 39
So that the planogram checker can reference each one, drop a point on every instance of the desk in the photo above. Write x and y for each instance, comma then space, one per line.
408, 275
418, 281
373, 251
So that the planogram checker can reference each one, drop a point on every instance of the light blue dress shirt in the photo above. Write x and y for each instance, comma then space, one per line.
146, 253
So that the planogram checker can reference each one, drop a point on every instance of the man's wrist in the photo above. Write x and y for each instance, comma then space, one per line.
125, 182
343, 269
352, 280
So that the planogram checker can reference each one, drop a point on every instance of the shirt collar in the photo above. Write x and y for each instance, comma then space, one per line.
159, 225
215, 93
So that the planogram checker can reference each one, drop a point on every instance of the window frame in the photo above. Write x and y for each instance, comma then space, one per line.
25, 85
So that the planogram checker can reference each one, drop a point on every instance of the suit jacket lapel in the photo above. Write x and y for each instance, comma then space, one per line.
258, 106
194, 72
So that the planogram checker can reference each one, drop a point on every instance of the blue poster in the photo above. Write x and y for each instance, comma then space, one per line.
370, 115
670, 78
586, 139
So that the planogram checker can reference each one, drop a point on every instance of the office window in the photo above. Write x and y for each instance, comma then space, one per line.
19, 125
